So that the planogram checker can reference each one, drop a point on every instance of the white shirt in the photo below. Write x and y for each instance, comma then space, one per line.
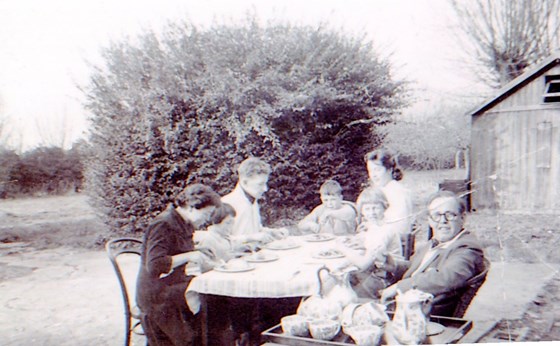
247, 214
399, 215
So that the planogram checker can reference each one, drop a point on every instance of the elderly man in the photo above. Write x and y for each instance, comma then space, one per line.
443, 267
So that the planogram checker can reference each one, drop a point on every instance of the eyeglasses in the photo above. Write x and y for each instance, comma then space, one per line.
449, 216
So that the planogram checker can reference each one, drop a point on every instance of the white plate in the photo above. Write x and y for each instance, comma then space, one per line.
319, 237
282, 245
328, 254
261, 257
434, 328
225, 269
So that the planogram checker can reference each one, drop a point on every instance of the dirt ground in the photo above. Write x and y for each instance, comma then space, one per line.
58, 288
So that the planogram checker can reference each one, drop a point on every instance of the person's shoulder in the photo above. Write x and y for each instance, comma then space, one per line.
394, 185
468, 240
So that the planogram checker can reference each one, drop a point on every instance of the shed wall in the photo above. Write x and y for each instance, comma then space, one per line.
507, 168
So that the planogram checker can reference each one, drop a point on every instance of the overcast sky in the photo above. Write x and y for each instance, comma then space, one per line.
45, 45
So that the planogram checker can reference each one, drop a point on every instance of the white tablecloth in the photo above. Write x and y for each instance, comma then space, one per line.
294, 274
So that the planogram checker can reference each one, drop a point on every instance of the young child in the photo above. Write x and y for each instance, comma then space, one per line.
334, 215
378, 240
216, 239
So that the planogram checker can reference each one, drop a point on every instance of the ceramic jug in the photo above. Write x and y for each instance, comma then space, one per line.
342, 293
320, 306
409, 323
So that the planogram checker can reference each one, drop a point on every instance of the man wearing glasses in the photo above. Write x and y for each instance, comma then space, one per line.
450, 258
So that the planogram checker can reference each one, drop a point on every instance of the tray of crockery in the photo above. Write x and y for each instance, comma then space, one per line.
296, 330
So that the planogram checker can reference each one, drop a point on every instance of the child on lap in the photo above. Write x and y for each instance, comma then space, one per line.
379, 241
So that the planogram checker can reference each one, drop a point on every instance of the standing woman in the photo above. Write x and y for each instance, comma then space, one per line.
168, 246
385, 174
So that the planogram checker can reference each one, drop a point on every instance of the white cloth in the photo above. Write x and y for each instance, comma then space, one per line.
399, 215
294, 274
380, 239
248, 215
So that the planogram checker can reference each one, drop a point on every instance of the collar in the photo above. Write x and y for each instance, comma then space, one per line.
443, 245
249, 197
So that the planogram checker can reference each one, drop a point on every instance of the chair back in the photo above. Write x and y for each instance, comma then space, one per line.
116, 248
408, 242
473, 284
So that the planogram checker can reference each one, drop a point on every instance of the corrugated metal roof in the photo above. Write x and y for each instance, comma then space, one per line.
518, 83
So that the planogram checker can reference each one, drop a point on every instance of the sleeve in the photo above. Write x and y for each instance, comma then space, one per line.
455, 270
158, 261
313, 216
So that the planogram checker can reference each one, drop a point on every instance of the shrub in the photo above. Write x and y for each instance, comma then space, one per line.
189, 105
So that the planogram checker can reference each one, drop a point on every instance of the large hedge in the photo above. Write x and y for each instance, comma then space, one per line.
189, 104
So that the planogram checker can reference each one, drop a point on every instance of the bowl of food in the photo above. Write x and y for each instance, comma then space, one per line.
324, 329
364, 335
295, 325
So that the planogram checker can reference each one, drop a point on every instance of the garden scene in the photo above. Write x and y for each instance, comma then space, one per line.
185, 104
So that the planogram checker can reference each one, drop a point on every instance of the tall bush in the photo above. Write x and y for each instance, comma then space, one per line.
44, 170
190, 104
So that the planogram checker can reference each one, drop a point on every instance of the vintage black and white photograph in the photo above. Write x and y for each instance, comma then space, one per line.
267, 172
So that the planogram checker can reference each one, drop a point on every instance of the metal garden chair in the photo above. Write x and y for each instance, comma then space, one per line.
473, 284
132, 315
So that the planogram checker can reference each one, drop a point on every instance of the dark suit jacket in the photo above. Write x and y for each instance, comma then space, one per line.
168, 235
446, 275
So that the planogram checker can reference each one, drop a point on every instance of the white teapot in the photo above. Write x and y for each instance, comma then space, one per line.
409, 323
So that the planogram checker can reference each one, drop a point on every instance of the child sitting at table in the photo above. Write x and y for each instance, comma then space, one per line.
217, 239
378, 241
334, 215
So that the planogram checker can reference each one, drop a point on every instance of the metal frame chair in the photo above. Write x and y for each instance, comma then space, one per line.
115, 248
473, 284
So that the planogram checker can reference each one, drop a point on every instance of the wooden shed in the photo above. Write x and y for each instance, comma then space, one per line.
515, 144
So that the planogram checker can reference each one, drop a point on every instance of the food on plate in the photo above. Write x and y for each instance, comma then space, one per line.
319, 237
329, 253
282, 244
236, 264
262, 257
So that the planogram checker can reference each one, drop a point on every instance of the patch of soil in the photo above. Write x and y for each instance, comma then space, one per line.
541, 321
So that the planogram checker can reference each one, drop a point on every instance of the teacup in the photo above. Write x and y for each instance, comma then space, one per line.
365, 335
294, 325
324, 329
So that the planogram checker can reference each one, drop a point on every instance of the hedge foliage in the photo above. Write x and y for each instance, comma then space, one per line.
189, 104
44, 170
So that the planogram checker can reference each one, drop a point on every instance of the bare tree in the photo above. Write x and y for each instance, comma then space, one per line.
55, 130
501, 38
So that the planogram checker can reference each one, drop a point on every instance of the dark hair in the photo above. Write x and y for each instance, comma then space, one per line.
220, 213
449, 194
388, 161
198, 196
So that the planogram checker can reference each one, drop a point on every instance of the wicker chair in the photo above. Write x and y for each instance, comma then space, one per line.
132, 315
